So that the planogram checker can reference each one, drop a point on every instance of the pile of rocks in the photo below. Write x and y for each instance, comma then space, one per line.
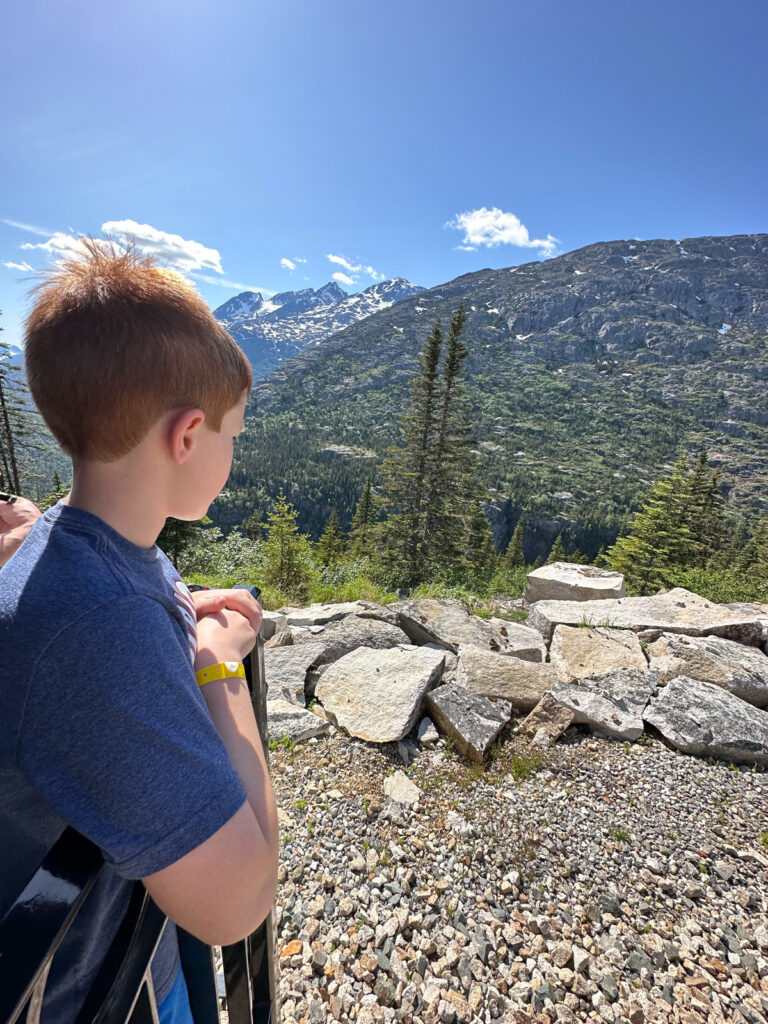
692, 670
599, 877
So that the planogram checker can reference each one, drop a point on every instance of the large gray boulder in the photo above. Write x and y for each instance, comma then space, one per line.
286, 669
449, 624
341, 636
319, 614
743, 671
377, 695
676, 611
271, 623
473, 723
578, 652
612, 703
762, 612
521, 683
704, 719
287, 721
570, 581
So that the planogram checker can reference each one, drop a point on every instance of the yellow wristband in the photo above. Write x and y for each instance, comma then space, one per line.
224, 670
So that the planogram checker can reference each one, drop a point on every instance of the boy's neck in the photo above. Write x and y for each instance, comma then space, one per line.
120, 495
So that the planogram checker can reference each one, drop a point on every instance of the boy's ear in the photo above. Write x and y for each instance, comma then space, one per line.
182, 433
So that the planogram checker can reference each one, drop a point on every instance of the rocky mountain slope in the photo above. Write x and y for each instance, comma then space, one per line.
588, 373
272, 330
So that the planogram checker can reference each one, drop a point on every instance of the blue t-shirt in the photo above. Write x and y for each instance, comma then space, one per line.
103, 727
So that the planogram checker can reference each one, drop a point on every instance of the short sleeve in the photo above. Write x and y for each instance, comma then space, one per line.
117, 737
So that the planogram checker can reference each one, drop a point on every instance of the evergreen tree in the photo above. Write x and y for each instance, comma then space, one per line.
514, 557
56, 493
659, 540
287, 555
363, 529
406, 471
330, 547
705, 518
479, 552
252, 527
178, 537
14, 422
557, 551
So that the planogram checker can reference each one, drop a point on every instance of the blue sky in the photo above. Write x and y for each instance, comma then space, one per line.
247, 141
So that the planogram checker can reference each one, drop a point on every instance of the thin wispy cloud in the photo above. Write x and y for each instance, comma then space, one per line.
29, 228
25, 267
344, 278
494, 227
184, 254
354, 268
287, 264
234, 284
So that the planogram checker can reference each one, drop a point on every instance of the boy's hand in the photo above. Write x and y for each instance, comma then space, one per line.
210, 602
16, 520
223, 636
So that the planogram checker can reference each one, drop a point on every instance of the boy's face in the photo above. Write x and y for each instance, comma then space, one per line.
212, 460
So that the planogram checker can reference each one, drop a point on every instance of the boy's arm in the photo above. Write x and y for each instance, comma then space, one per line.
17, 517
224, 889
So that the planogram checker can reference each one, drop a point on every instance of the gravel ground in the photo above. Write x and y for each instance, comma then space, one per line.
593, 881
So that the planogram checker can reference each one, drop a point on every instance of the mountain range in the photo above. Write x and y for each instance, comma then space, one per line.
588, 375
272, 330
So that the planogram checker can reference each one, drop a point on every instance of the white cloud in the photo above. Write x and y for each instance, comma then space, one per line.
374, 274
182, 253
354, 268
300, 259
344, 263
30, 228
18, 266
287, 264
59, 244
344, 278
235, 284
495, 227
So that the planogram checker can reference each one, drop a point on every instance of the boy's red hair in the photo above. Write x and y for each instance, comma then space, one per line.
114, 342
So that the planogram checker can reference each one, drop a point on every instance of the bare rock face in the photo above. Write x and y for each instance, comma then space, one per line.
287, 721
472, 722
286, 669
676, 611
743, 671
549, 715
377, 695
319, 614
704, 719
577, 653
570, 581
521, 683
612, 703
449, 624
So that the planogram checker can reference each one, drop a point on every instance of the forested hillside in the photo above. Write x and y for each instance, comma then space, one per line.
587, 375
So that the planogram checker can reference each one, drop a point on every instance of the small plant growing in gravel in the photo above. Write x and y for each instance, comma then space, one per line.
620, 833
300, 804
626, 748
524, 765
764, 840
310, 827
703, 867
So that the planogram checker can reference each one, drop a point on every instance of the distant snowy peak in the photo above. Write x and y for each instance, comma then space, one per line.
272, 330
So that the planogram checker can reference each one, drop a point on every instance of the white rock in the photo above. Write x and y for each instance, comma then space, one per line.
398, 787
571, 581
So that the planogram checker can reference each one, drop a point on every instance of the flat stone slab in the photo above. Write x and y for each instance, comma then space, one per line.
612, 703
703, 719
341, 636
549, 715
578, 652
286, 668
522, 683
676, 611
741, 670
377, 695
449, 624
319, 614
473, 723
570, 581
286, 720
271, 623
762, 612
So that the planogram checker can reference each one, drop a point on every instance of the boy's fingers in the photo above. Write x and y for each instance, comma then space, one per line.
208, 602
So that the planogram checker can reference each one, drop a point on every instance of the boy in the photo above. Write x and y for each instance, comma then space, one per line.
125, 713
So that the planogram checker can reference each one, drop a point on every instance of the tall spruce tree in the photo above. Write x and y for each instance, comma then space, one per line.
514, 557
286, 552
479, 552
330, 547
406, 473
362, 531
14, 422
557, 551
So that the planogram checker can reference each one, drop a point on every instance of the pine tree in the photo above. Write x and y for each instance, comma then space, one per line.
178, 537
286, 552
363, 529
659, 540
14, 422
557, 551
514, 558
252, 527
330, 547
406, 471
479, 552
705, 518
